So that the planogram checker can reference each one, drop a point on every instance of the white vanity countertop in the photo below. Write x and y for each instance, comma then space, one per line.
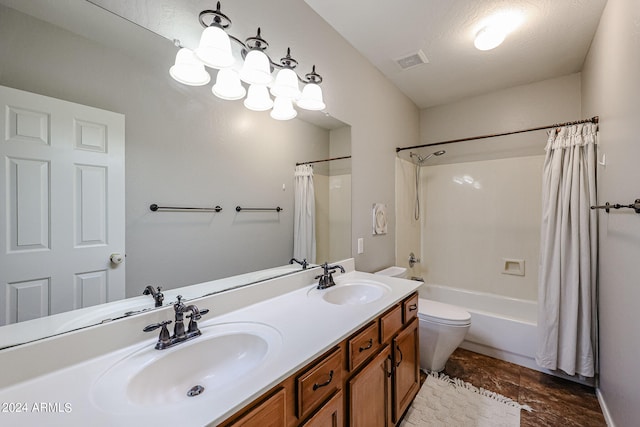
308, 327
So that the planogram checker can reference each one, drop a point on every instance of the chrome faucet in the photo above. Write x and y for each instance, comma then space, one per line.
303, 263
165, 340
326, 278
157, 295
413, 260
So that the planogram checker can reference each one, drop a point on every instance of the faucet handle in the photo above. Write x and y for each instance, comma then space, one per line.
330, 281
193, 324
200, 313
155, 326
164, 338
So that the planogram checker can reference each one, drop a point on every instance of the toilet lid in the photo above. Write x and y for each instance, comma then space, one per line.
440, 312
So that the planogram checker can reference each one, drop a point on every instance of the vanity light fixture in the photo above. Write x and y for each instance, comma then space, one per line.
254, 69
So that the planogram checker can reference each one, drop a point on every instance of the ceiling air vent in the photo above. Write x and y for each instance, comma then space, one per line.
412, 60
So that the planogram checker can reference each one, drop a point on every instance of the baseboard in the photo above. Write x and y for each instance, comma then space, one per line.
604, 409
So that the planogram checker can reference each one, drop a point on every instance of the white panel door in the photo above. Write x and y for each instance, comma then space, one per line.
61, 206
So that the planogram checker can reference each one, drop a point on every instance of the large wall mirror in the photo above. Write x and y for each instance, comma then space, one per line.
183, 148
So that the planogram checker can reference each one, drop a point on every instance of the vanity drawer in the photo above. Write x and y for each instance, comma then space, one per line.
390, 323
410, 308
363, 345
319, 382
270, 413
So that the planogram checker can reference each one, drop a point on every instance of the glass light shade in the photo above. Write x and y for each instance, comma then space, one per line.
286, 84
256, 68
258, 98
311, 98
188, 69
283, 109
215, 48
489, 38
228, 85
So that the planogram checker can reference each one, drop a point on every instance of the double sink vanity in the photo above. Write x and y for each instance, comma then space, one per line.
276, 353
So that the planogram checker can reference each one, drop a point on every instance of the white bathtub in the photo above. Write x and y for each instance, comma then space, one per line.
501, 327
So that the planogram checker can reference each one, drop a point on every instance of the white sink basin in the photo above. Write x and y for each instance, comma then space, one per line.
354, 292
203, 367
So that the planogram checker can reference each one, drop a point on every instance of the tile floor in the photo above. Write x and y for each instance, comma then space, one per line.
555, 401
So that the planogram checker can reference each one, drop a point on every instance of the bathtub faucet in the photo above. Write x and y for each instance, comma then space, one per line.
413, 260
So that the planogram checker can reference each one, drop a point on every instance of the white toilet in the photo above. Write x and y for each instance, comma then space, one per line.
442, 327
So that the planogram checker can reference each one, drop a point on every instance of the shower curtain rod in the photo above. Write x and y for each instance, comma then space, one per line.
320, 161
594, 119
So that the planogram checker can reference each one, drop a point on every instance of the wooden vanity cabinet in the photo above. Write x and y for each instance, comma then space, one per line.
330, 415
380, 393
317, 383
369, 393
406, 369
390, 323
268, 413
363, 345
368, 380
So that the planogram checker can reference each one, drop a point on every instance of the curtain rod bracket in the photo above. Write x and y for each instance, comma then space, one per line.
607, 206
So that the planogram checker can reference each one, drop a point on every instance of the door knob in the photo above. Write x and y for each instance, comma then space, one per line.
116, 258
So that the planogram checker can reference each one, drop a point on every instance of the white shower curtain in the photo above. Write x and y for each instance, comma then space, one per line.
568, 254
304, 215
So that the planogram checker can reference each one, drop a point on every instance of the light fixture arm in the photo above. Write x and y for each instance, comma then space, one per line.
288, 61
218, 18
312, 77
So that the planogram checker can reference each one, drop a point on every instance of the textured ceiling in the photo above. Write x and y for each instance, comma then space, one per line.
552, 41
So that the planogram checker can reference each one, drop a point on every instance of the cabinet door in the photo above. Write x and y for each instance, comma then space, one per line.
330, 415
406, 377
270, 413
370, 393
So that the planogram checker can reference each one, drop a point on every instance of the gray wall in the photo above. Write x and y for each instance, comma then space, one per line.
611, 89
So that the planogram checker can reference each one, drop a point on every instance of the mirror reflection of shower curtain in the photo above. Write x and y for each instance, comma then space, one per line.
568, 253
304, 215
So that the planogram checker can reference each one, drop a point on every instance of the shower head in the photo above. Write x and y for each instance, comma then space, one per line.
427, 157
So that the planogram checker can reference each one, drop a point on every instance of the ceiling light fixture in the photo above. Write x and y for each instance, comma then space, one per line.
214, 51
495, 28
489, 38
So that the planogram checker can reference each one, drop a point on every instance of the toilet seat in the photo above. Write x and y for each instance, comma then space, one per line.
441, 313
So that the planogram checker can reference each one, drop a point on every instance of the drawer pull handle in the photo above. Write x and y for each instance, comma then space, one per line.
413, 307
324, 384
368, 346
401, 357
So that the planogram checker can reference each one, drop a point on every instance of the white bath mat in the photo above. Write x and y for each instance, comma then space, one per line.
444, 401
